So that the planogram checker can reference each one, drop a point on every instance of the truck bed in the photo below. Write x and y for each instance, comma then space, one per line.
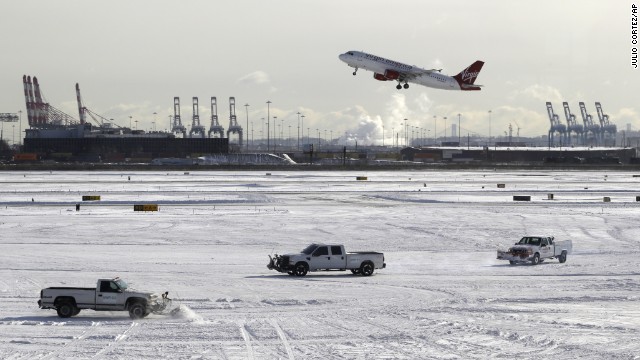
70, 288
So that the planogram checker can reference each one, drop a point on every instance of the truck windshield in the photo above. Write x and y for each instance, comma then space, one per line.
527, 240
121, 284
309, 249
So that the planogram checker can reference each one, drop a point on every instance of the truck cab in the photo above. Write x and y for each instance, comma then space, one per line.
326, 257
110, 293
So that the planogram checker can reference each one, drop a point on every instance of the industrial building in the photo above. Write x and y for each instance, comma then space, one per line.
56, 135
579, 155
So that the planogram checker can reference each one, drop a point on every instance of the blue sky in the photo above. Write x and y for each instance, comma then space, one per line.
132, 57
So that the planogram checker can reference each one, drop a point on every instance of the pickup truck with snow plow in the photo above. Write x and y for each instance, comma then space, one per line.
108, 295
535, 249
316, 257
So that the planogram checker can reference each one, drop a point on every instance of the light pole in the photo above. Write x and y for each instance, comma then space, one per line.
154, 121
268, 121
445, 128
246, 109
302, 128
20, 127
393, 142
13, 134
489, 127
298, 130
435, 130
130, 117
405, 132
136, 124
275, 132
261, 131
459, 129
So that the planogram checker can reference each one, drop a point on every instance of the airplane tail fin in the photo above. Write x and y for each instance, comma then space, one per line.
467, 77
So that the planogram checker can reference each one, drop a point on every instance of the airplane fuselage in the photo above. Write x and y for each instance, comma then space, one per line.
388, 70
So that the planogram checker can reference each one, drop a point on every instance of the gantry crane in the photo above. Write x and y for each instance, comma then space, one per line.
196, 128
215, 125
177, 127
556, 126
573, 126
234, 127
41, 114
605, 125
590, 126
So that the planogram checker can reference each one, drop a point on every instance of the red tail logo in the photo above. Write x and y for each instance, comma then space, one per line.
468, 76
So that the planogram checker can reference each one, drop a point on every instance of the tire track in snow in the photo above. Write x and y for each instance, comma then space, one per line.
283, 337
66, 348
118, 338
247, 341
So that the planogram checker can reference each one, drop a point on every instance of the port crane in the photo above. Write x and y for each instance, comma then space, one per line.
215, 128
556, 126
573, 126
196, 128
177, 127
605, 125
589, 125
234, 127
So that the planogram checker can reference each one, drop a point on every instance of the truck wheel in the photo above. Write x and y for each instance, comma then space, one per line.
76, 312
536, 259
301, 269
366, 269
66, 309
511, 262
563, 257
355, 271
137, 311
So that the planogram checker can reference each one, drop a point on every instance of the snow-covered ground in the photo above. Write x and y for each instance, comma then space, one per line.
443, 294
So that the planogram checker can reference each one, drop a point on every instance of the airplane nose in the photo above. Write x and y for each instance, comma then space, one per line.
342, 57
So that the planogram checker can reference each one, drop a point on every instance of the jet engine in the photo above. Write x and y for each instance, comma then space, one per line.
379, 77
391, 74
388, 75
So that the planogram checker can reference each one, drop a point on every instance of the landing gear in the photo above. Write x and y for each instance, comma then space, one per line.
355, 71
399, 86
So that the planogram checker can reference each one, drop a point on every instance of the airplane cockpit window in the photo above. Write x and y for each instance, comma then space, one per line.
350, 53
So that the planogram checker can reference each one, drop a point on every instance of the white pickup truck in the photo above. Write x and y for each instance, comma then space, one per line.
317, 257
109, 295
535, 249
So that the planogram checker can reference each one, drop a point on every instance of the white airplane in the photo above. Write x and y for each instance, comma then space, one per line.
388, 70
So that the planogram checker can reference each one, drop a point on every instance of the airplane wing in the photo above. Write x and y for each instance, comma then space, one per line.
414, 73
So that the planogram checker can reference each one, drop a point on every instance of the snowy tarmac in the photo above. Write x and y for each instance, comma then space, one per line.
443, 294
